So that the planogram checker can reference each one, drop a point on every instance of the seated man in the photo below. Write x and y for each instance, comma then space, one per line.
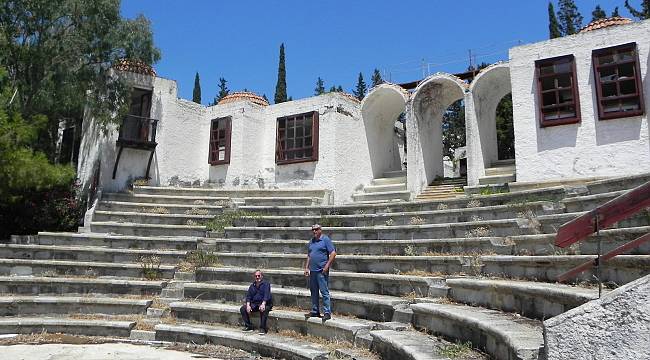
258, 298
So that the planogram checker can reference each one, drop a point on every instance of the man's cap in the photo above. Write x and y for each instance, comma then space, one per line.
315, 226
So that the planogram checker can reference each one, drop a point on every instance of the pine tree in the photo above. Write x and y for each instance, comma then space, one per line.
376, 78
223, 91
196, 94
641, 15
569, 17
598, 14
339, 88
615, 12
360, 91
265, 98
320, 87
281, 85
553, 26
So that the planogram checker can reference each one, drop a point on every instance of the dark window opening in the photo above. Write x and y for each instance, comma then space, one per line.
220, 132
297, 138
557, 91
618, 82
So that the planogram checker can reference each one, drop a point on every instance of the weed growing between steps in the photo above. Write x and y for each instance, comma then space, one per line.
155, 210
150, 265
330, 222
227, 219
197, 259
455, 351
330, 345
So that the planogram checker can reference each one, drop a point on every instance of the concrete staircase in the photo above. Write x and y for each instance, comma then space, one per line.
501, 172
411, 278
443, 189
390, 188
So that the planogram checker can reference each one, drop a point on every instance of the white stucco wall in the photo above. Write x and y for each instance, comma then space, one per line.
592, 147
616, 326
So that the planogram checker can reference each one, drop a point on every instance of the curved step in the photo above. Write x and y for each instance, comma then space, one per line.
116, 241
504, 336
150, 208
25, 325
147, 229
148, 218
28, 285
271, 345
88, 269
226, 193
167, 199
412, 345
86, 253
47, 305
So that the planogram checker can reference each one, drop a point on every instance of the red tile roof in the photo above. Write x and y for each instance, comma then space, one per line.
243, 96
603, 23
135, 66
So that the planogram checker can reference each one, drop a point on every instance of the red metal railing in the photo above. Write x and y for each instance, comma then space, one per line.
599, 218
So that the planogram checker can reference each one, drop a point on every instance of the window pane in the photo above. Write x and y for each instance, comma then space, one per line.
291, 133
626, 70
548, 83
564, 80
566, 112
308, 141
627, 87
563, 67
222, 155
548, 99
299, 131
221, 124
308, 153
609, 89
290, 144
611, 106
565, 96
546, 70
608, 74
625, 55
606, 59
282, 123
630, 104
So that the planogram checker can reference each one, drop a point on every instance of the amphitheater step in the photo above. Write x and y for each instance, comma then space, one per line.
389, 180
366, 306
401, 195
48, 305
496, 179
89, 269
380, 284
116, 241
149, 208
86, 253
224, 193
528, 298
25, 325
271, 345
134, 229
161, 200
28, 285
412, 345
617, 184
503, 162
281, 201
503, 336
500, 170
396, 173
590, 202
145, 218
336, 329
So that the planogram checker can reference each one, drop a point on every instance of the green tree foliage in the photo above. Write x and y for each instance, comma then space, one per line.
55, 51
281, 85
223, 91
376, 78
453, 128
643, 14
615, 12
320, 87
196, 93
336, 88
505, 128
569, 17
361, 88
598, 13
553, 25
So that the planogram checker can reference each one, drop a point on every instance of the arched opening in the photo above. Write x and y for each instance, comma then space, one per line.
505, 129
454, 141
431, 101
382, 111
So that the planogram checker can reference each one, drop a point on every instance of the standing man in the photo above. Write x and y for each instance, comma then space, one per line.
258, 298
320, 256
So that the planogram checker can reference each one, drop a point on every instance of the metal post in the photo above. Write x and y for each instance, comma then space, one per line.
598, 264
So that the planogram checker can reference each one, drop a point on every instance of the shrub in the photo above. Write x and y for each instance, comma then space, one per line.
150, 265
200, 258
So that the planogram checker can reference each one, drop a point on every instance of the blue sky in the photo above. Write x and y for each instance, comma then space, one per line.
240, 40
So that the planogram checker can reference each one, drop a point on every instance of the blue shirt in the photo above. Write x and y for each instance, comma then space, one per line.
319, 251
256, 295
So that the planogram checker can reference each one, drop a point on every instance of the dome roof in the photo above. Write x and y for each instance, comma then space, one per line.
243, 96
603, 23
134, 66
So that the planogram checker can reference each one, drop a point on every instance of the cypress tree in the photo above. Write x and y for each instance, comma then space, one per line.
320, 87
641, 15
376, 78
361, 88
281, 85
339, 88
553, 26
223, 91
615, 12
196, 94
598, 14
569, 17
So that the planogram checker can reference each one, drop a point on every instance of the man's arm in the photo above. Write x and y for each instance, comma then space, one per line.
330, 260
266, 296
307, 266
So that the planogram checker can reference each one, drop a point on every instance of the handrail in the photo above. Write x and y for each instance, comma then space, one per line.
611, 212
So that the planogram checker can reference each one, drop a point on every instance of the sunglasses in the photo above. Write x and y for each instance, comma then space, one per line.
258, 276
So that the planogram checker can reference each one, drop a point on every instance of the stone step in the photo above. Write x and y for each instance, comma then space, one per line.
149, 208
500, 170
497, 179
404, 195
396, 173
134, 229
26, 325
384, 188
146, 218
537, 244
380, 284
29, 285
48, 305
503, 336
503, 162
366, 306
271, 345
528, 298
336, 329
86, 253
88, 269
392, 344
389, 180
281, 201
227, 193
160, 200
115, 241
404, 218
616, 184
590, 202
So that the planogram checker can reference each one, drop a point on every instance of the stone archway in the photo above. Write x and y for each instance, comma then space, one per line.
380, 109
429, 102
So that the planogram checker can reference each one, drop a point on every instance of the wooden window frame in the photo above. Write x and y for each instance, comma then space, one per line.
213, 154
280, 149
540, 93
595, 57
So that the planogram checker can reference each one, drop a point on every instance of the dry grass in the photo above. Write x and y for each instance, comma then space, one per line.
196, 211
421, 273
53, 338
155, 210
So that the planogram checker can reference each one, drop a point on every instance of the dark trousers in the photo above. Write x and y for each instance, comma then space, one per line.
255, 308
